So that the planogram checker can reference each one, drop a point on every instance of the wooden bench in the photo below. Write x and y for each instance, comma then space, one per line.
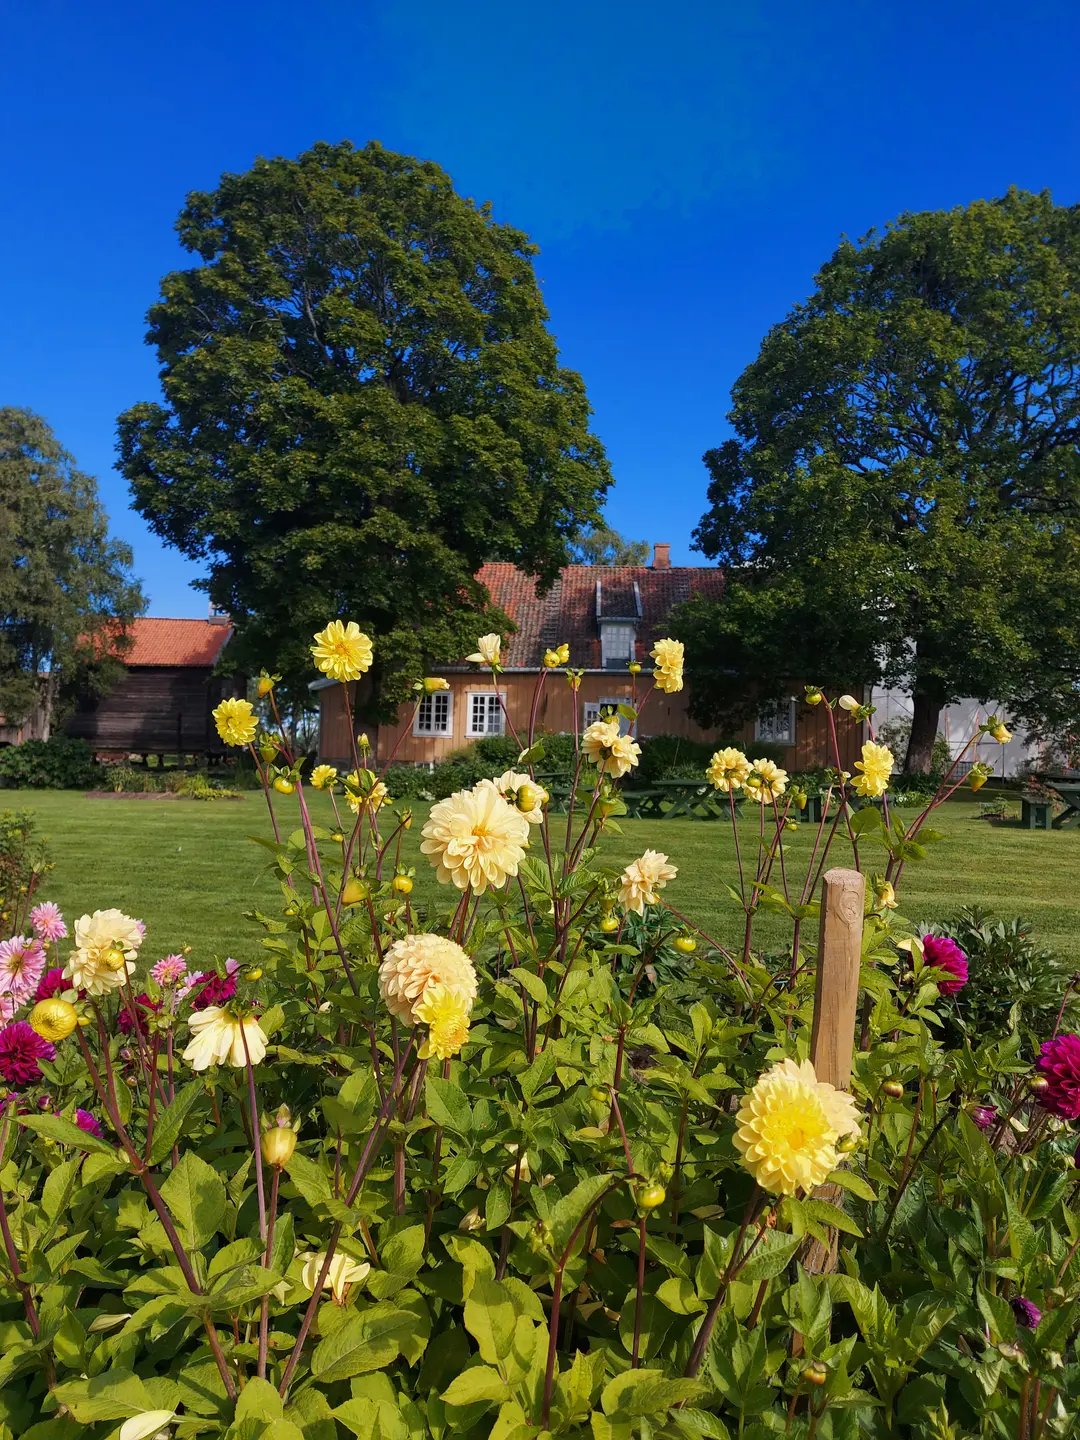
1036, 814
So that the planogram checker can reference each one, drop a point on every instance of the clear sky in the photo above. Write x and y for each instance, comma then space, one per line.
685, 169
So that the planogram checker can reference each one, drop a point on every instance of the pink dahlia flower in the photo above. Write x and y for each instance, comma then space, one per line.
22, 961
20, 1050
169, 971
945, 954
48, 923
216, 989
51, 983
1059, 1061
87, 1122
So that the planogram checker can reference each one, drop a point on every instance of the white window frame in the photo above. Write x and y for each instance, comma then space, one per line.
612, 628
499, 696
765, 721
427, 733
591, 711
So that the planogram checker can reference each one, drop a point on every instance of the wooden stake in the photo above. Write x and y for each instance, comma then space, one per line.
836, 1002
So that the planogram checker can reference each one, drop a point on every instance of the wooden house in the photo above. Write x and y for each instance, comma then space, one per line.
163, 704
608, 616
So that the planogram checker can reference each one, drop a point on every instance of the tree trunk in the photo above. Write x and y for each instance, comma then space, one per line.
926, 713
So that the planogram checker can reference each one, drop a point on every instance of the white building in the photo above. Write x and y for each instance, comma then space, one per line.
957, 724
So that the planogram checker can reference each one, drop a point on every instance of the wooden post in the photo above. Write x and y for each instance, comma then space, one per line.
836, 1002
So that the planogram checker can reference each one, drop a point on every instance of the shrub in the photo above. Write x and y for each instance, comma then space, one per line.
539, 1160
59, 763
24, 863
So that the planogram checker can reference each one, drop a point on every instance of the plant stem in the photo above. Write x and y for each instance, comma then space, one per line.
264, 1310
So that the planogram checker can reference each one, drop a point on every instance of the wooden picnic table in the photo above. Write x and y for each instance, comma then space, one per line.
678, 800
1066, 785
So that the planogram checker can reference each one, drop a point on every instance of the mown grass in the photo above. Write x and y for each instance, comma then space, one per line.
188, 869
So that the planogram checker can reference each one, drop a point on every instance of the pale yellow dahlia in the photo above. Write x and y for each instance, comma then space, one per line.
236, 722
363, 791
106, 944
218, 1038
766, 781
642, 879
417, 962
488, 650
343, 1272
728, 769
431, 683
323, 776
559, 656
509, 783
876, 766
445, 1010
998, 730
668, 658
475, 838
343, 652
611, 752
788, 1125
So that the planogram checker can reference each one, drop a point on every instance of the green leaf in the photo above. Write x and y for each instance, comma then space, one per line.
849, 1180
401, 1256
171, 1122
368, 1340
372, 1419
309, 1178
679, 1295
771, 1257
55, 1127
195, 1195
490, 1319
447, 1105
472, 1386
259, 1399
645, 1392
59, 1187
116, 1395
570, 1209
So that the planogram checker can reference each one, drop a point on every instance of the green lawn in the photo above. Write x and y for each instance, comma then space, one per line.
188, 870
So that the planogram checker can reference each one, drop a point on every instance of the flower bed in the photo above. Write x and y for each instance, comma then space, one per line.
545, 1159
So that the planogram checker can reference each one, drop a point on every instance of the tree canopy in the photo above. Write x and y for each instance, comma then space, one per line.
66, 589
362, 405
902, 501
601, 545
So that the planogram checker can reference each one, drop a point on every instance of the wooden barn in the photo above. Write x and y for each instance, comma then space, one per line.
164, 703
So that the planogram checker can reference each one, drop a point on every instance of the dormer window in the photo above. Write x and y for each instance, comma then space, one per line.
616, 644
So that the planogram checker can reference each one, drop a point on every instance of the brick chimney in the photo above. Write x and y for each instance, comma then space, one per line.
661, 559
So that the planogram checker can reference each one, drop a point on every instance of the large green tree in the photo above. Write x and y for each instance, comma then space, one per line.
601, 545
66, 590
902, 501
363, 404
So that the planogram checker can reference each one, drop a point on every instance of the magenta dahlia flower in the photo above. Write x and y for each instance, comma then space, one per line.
1059, 1061
945, 954
1027, 1313
216, 989
20, 1050
985, 1116
143, 1002
87, 1122
51, 983
48, 923
22, 961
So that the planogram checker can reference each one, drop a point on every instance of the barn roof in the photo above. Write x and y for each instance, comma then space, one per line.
157, 641
583, 596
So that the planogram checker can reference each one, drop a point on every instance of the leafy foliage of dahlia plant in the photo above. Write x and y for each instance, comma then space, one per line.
542, 1160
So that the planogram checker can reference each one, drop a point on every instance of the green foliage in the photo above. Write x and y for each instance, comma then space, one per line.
601, 545
404, 414
59, 763
675, 757
65, 586
24, 858
1014, 984
900, 503
896, 734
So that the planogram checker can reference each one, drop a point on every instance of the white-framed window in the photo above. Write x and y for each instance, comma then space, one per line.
616, 645
777, 724
435, 715
607, 709
484, 715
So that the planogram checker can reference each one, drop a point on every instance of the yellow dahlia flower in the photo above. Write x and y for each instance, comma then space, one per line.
559, 656
788, 1125
343, 1272
445, 1010
362, 790
106, 944
766, 781
642, 879
876, 766
509, 783
53, 1019
728, 769
488, 650
343, 652
668, 658
218, 1039
475, 838
611, 752
414, 964
236, 722
998, 730
431, 683
323, 776
884, 894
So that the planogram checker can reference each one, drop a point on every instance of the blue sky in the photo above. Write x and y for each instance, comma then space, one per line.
685, 169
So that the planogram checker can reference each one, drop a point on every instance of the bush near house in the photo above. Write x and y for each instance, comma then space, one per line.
58, 763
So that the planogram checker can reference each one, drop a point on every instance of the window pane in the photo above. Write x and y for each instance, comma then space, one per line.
433, 717
776, 725
616, 646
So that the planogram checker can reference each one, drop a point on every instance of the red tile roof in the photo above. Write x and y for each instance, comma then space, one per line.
569, 611
176, 642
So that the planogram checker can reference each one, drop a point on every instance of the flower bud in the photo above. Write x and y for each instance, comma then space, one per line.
634, 668
283, 785
264, 685
472, 1221
685, 944
53, 1019
528, 797
815, 1374
402, 884
651, 1197
893, 1088
253, 972
848, 702
1038, 1084
813, 695
355, 892
278, 1145
363, 743
113, 959
431, 683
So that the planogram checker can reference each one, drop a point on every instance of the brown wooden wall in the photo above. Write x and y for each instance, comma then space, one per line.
662, 715
156, 709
